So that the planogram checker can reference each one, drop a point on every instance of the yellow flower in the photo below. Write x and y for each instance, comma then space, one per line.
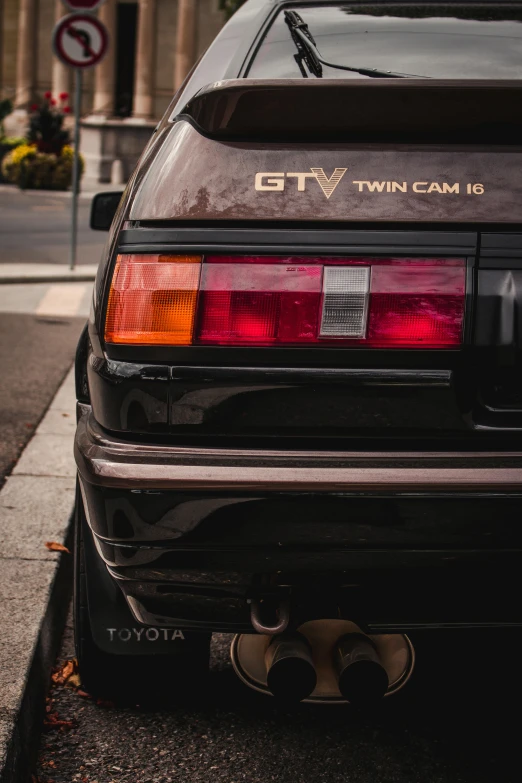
21, 152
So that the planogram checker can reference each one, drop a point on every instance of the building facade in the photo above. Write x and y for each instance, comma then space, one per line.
153, 44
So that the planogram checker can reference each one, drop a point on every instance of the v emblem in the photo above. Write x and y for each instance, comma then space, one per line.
328, 185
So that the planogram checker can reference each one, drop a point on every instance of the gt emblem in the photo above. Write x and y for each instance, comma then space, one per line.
328, 185
275, 180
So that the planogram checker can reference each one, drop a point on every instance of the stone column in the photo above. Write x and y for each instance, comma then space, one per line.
1, 44
105, 72
146, 49
185, 52
60, 71
26, 54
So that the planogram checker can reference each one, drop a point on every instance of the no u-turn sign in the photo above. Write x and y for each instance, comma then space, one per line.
80, 41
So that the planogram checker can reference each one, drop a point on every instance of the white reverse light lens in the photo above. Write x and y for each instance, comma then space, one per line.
345, 301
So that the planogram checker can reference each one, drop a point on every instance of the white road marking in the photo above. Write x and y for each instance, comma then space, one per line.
21, 297
62, 300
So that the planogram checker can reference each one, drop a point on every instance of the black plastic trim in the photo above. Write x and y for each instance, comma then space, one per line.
219, 355
500, 251
496, 242
264, 239
367, 377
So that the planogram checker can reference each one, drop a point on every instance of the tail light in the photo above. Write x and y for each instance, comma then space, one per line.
265, 300
153, 300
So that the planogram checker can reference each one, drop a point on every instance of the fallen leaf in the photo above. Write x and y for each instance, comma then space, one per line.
52, 721
54, 546
67, 674
74, 681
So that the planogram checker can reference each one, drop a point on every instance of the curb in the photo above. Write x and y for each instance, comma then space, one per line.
20, 737
82, 278
36, 505
11, 274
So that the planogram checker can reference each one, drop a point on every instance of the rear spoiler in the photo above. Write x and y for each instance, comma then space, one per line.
360, 110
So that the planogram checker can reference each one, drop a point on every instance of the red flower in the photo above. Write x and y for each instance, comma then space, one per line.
34, 107
64, 96
52, 102
66, 109
48, 95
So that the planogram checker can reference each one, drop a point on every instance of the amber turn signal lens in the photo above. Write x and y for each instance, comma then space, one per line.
152, 300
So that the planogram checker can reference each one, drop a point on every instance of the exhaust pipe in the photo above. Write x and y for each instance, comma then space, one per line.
291, 674
362, 678
346, 665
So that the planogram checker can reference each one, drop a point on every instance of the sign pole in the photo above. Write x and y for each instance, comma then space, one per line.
76, 163
80, 41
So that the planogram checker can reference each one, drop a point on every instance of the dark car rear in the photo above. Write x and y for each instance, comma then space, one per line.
301, 382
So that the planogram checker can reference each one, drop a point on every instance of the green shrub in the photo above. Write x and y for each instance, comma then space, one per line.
28, 168
12, 141
8, 143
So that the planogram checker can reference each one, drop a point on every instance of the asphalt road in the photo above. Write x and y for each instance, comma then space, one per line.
36, 350
34, 228
456, 722
35, 355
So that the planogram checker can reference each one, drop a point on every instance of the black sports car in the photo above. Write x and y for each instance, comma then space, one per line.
300, 390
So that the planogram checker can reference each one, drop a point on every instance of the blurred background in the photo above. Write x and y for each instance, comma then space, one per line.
153, 46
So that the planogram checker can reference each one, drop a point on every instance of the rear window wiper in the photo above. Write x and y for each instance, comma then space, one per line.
308, 53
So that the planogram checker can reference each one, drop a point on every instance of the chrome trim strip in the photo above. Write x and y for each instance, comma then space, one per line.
115, 463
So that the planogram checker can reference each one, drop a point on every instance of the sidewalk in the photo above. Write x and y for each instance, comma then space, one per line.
46, 273
35, 506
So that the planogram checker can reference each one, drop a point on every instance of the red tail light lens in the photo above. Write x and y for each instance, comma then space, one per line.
259, 303
410, 303
276, 300
417, 305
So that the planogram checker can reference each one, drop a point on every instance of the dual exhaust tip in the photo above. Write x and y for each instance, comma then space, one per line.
291, 674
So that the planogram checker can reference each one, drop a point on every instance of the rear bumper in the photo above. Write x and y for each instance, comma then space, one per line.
389, 540
110, 462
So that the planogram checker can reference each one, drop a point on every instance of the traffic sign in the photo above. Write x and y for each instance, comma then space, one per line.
80, 40
83, 5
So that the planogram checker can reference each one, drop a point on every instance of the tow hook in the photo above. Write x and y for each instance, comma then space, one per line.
281, 617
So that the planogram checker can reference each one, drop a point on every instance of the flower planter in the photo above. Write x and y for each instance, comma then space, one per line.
45, 161
7, 145
31, 169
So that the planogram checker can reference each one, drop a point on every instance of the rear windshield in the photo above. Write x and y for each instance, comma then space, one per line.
458, 41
